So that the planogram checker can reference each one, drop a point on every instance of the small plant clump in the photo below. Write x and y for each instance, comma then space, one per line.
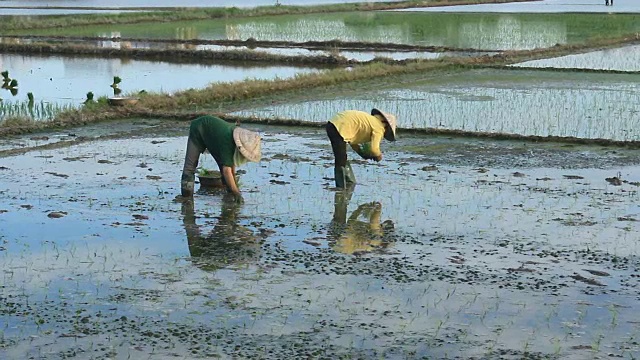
9, 84
204, 172
89, 98
115, 85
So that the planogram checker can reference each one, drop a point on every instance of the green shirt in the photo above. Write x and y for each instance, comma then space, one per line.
216, 135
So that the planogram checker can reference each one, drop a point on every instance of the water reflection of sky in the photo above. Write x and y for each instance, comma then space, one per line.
92, 253
626, 58
34, 12
148, 4
66, 80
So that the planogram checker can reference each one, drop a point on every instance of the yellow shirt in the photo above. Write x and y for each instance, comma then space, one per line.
358, 127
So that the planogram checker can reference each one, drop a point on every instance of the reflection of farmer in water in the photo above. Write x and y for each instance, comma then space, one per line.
354, 235
226, 244
363, 132
230, 146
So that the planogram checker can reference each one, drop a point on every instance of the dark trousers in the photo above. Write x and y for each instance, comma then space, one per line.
191, 160
338, 145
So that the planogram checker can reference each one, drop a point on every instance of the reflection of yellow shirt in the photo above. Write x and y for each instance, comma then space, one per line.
349, 244
358, 127
361, 235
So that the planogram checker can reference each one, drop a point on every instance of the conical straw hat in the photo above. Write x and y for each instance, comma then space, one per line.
391, 120
248, 142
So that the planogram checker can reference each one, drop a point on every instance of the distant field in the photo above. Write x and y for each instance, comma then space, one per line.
477, 31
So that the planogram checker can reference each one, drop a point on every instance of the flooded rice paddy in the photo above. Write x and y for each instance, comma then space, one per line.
464, 31
449, 248
530, 103
625, 58
475, 249
543, 6
66, 80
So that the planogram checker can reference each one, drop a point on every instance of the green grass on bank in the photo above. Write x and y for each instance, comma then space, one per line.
17, 22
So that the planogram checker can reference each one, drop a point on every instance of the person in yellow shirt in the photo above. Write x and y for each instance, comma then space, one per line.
363, 132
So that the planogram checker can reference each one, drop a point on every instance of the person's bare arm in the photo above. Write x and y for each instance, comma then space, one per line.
229, 178
358, 150
376, 137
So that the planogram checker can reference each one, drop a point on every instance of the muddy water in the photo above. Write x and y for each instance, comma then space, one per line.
621, 59
478, 249
66, 80
514, 102
471, 31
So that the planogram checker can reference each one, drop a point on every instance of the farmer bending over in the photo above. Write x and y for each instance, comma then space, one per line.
229, 145
358, 128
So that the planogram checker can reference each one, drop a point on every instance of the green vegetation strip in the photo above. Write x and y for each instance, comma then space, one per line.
51, 21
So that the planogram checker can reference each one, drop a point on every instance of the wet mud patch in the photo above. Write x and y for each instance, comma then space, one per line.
509, 153
453, 261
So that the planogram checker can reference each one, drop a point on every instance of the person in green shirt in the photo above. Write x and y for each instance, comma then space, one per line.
229, 145
363, 132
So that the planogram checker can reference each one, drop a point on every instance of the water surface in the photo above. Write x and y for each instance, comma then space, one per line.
625, 58
66, 80
20, 6
489, 248
42, 11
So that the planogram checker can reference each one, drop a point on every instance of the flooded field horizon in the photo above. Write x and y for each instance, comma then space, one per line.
169, 3
481, 240
465, 31
543, 6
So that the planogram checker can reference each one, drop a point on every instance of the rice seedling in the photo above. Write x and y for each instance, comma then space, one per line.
29, 112
89, 99
116, 85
